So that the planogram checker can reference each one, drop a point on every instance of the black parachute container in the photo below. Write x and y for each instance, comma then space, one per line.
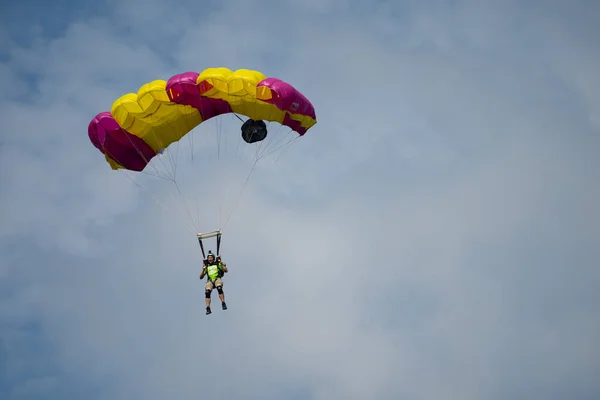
254, 131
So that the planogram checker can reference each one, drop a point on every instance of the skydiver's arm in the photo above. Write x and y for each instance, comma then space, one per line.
203, 272
222, 264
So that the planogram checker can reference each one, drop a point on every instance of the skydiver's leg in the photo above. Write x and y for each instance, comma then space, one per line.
207, 292
219, 286
222, 297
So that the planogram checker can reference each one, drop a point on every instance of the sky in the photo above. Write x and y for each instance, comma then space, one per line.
434, 235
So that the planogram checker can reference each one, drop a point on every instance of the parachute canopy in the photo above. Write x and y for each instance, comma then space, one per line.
141, 125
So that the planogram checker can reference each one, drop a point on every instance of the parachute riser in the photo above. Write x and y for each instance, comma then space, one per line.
201, 236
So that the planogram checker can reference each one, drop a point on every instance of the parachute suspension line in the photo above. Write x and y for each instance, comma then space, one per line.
196, 184
195, 173
171, 168
238, 117
268, 142
219, 181
148, 162
169, 171
224, 184
286, 146
235, 157
141, 154
260, 146
196, 178
172, 171
185, 204
144, 189
190, 136
139, 185
279, 145
264, 144
153, 197
277, 141
173, 161
240, 193
264, 148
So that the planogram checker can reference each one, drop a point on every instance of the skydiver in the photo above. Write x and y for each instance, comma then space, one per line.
214, 269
